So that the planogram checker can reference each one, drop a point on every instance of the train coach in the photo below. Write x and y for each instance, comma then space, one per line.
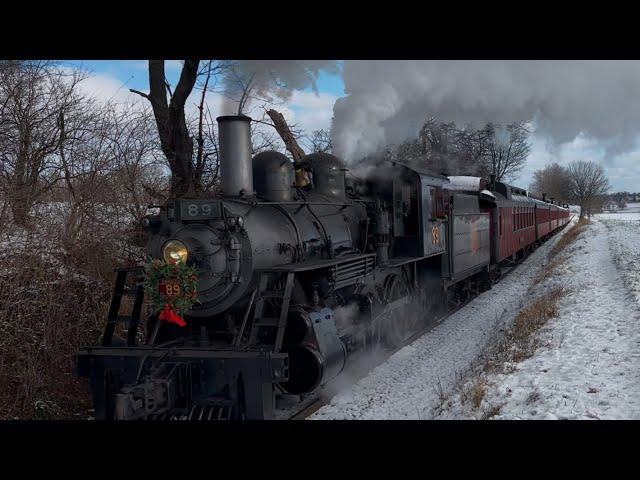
518, 221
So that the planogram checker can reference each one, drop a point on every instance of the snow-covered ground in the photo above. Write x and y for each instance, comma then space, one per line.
624, 234
631, 208
587, 364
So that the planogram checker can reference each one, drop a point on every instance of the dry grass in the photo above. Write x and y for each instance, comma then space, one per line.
519, 342
491, 412
473, 393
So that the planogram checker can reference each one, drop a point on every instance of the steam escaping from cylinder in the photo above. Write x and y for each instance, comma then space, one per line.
388, 101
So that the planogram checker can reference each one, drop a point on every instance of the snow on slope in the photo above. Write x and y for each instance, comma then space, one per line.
410, 385
624, 233
589, 366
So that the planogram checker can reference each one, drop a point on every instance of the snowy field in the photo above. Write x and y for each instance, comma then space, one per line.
587, 364
624, 233
631, 211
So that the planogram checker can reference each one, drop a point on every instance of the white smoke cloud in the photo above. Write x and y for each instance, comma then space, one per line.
387, 101
272, 79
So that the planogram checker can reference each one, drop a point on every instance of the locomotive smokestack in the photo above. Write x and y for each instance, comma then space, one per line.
234, 135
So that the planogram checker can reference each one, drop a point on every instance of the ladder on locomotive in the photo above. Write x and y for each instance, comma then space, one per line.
114, 317
262, 326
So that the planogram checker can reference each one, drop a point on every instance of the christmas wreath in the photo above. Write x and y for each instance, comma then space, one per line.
171, 288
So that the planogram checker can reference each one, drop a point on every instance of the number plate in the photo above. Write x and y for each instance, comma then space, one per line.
169, 288
199, 210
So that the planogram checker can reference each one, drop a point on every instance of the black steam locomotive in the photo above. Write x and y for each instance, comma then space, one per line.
298, 268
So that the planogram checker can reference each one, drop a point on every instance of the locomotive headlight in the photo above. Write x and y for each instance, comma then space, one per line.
240, 222
175, 251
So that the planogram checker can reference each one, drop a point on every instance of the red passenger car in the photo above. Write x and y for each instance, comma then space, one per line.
518, 221
515, 231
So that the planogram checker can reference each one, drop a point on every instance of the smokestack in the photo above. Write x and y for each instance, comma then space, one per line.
492, 181
544, 197
234, 134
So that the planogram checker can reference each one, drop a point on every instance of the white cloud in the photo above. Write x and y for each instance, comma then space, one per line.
622, 169
313, 111
107, 88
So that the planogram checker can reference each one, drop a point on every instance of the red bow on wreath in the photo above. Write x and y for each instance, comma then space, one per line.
170, 316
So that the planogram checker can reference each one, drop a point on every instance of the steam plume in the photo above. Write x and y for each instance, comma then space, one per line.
271, 79
387, 101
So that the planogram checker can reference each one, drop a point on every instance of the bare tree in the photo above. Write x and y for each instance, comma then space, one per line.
471, 147
35, 99
319, 141
175, 138
442, 147
621, 203
436, 140
587, 186
553, 180
507, 150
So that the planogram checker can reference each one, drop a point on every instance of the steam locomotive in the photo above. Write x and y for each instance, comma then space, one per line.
299, 267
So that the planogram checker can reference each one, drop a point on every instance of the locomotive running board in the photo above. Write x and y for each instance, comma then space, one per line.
318, 264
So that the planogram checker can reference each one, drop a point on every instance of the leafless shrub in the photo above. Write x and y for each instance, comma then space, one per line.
474, 392
46, 313
102, 170
443, 395
491, 412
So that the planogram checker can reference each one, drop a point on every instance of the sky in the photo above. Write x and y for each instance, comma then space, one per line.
310, 110
113, 79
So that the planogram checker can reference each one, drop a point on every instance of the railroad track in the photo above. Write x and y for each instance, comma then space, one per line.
313, 406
